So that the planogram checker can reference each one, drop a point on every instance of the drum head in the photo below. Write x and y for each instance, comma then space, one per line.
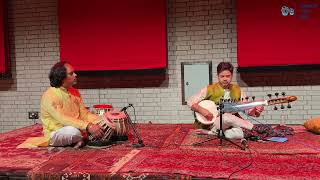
115, 115
211, 107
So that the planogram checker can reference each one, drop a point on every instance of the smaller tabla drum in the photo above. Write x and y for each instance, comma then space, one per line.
100, 109
108, 130
120, 121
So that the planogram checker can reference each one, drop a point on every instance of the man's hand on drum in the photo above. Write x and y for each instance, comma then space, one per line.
95, 129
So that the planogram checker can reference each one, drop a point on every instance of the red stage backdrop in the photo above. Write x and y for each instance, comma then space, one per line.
113, 35
278, 32
3, 67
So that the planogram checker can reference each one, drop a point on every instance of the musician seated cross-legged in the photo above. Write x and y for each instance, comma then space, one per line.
223, 89
65, 119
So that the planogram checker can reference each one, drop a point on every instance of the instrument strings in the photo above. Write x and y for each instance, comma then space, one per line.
239, 110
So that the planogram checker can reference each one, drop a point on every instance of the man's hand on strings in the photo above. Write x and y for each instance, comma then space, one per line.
258, 110
207, 114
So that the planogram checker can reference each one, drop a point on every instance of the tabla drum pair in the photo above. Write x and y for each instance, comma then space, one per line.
115, 127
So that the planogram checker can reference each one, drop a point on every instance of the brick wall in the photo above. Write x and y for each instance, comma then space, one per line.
198, 30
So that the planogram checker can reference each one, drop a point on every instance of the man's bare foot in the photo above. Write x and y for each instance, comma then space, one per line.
79, 144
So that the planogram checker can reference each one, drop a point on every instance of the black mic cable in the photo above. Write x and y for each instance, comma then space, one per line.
126, 107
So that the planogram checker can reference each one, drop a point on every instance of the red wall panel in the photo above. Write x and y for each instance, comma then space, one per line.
3, 63
268, 35
113, 35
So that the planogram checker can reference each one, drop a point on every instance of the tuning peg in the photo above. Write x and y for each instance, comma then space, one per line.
282, 106
228, 100
283, 93
269, 95
277, 94
275, 108
247, 98
253, 97
241, 99
289, 106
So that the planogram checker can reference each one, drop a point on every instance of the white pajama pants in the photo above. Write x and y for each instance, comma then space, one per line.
65, 136
231, 126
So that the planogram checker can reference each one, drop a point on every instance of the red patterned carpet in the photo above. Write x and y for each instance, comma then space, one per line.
169, 154
22, 160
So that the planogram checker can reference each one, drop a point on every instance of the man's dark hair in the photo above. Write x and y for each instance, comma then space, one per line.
57, 73
224, 66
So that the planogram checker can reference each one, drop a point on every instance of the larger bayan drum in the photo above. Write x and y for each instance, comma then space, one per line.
120, 121
108, 128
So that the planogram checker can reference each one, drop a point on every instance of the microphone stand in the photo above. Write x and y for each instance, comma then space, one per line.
220, 133
140, 142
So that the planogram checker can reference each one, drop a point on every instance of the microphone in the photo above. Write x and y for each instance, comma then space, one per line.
126, 107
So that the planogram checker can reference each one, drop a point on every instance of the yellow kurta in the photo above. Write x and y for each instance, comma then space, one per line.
61, 107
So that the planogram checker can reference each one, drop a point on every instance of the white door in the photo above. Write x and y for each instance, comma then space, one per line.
196, 77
